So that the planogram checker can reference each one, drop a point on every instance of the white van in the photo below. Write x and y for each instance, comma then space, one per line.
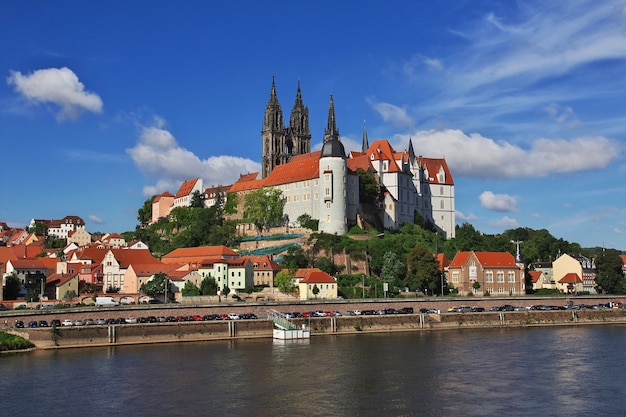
106, 302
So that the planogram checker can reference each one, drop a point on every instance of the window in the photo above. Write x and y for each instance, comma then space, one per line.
500, 276
455, 277
511, 276
489, 276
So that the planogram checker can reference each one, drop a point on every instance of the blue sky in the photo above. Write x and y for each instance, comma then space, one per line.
103, 104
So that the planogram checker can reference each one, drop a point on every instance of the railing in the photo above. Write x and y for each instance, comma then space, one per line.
280, 320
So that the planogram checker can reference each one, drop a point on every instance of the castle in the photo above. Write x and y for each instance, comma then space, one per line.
325, 184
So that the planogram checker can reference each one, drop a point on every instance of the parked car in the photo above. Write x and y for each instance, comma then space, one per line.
32, 324
43, 323
101, 321
233, 316
89, 322
67, 322
19, 324
55, 322
131, 320
79, 322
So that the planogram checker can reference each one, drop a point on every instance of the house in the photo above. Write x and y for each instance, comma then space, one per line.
540, 281
581, 266
80, 237
161, 206
570, 283
213, 195
235, 273
138, 274
480, 273
186, 191
58, 285
317, 285
265, 269
106, 267
59, 229
113, 240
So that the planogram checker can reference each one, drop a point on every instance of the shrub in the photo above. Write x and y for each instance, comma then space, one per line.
12, 342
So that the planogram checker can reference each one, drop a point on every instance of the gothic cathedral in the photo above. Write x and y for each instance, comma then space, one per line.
280, 143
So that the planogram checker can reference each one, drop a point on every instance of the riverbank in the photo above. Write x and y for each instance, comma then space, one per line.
129, 334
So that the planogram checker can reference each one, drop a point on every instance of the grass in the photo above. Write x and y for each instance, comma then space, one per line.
10, 342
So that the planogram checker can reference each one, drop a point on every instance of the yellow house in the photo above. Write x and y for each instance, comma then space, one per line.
579, 265
79, 236
317, 285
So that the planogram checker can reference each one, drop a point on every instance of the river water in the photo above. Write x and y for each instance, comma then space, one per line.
557, 371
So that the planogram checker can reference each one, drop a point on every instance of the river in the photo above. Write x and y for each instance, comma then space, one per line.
556, 371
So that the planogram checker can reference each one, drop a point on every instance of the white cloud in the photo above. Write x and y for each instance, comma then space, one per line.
561, 114
460, 217
477, 156
505, 222
498, 202
396, 115
59, 86
159, 156
95, 219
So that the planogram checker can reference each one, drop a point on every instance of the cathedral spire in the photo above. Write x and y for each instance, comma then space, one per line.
331, 129
366, 145
411, 151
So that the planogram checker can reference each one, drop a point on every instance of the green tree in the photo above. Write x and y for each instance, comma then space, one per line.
70, 295
392, 270
232, 201
12, 287
610, 275
305, 220
190, 289
294, 258
315, 290
284, 282
197, 200
368, 187
144, 214
423, 271
208, 286
326, 264
264, 208
157, 285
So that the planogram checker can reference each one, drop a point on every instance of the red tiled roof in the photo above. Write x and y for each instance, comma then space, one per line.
197, 254
486, 259
381, 150
299, 168
318, 277
232, 262
570, 278
534, 276
433, 165
186, 187
264, 263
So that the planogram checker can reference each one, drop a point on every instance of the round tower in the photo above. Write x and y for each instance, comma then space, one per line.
332, 179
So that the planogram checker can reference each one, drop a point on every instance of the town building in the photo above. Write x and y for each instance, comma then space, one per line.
316, 284
581, 266
480, 273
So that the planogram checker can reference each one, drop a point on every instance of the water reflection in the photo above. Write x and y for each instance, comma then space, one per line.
518, 372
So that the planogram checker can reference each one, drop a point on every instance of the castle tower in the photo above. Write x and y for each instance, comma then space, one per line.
298, 133
273, 134
333, 179
280, 143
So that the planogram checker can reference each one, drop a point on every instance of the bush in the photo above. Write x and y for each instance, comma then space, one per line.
12, 342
